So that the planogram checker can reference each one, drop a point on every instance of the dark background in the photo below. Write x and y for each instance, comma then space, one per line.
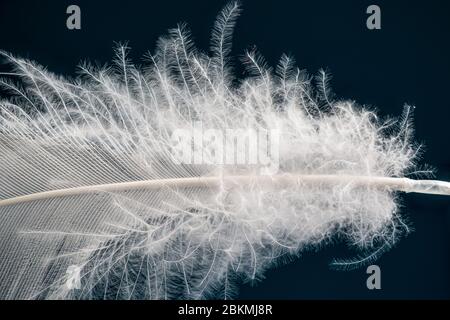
407, 61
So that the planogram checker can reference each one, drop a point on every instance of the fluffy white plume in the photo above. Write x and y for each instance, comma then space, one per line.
78, 147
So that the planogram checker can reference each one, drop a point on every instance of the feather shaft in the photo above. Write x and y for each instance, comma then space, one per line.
394, 184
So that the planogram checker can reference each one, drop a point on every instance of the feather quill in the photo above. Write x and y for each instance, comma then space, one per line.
88, 177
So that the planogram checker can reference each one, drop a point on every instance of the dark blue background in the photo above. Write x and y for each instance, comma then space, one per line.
407, 61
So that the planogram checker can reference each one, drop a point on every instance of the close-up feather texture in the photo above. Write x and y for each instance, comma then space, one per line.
88, 176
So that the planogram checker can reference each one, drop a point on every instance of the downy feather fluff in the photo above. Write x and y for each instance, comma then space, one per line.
114, 125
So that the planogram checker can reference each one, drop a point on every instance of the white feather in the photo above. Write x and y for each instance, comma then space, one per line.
87, 175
